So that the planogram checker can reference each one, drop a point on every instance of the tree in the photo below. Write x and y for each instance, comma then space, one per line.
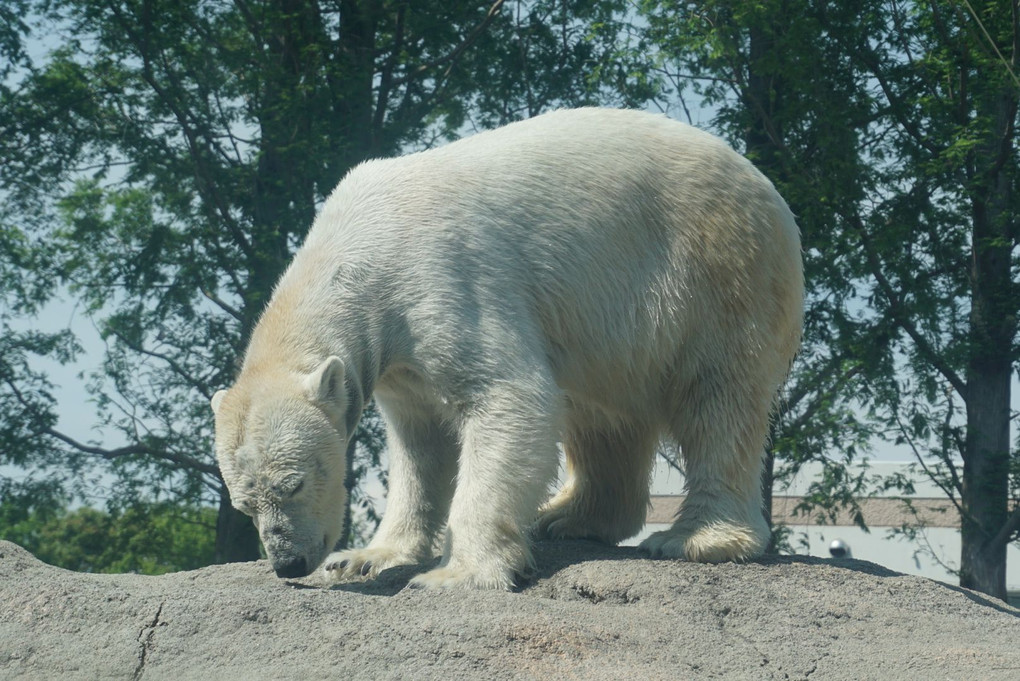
149, 539
940, 248
891, 128
164, 162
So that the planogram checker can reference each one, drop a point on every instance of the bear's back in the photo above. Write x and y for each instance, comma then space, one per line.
617, 236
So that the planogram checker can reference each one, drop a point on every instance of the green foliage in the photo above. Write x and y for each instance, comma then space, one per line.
149, 539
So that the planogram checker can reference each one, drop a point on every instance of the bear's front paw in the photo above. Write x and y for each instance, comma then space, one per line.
353, 564
665, 544
450, 577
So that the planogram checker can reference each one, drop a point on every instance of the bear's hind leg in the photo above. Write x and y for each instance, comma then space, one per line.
423, 464
606, 494
722, 435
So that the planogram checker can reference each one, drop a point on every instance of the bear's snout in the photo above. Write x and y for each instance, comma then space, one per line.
297, 567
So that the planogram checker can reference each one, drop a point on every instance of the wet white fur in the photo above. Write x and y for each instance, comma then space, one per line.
600, 278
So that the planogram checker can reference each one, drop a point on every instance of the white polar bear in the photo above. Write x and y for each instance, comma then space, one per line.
600, 278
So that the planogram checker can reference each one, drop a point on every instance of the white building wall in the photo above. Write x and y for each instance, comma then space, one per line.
933, 555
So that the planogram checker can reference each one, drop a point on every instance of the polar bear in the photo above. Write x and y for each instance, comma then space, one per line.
599, 278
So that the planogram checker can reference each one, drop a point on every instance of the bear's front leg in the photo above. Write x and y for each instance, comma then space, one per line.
508, 460
423, 465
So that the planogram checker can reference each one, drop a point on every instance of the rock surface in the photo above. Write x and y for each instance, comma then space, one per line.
591, 612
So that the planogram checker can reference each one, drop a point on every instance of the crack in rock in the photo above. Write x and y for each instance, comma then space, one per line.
615, 596
145, 639
721, 615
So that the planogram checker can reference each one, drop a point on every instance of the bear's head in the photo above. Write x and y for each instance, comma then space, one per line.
281, 445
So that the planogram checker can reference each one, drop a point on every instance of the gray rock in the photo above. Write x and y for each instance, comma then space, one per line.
591, 612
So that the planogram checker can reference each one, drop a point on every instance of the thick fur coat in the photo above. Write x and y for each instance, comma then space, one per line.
603, 279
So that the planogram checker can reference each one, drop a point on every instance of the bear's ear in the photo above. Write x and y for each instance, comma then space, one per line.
325, 385
217, 398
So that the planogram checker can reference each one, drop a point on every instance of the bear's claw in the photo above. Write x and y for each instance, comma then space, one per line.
355, 564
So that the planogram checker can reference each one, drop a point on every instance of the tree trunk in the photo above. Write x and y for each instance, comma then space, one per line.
350, 480
985, 493
295, 112
283, 197
763, 98
358, 124
237, 540
985, 490
767, 481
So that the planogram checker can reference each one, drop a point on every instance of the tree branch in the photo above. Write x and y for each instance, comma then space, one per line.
112, 454
138, 448
900, 314
1006, 532
949, 492
872, 63
223, 305
802, 391
170, 361
386, 76
205, 185
454, 54
950, 433
813, 408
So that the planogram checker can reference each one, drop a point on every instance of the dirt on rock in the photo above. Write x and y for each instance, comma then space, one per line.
591, 612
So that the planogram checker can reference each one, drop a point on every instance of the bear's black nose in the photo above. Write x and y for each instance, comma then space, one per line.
295, 568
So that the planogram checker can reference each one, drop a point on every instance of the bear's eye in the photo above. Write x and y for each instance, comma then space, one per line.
300, 486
